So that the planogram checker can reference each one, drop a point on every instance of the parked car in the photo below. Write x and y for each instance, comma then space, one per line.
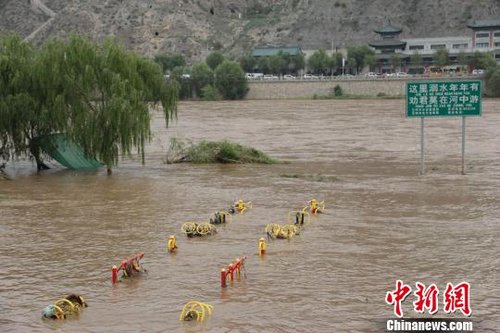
478, 72
371, 75
288, 77
402, 74
257, 76
270, 77
346, 76
310, 77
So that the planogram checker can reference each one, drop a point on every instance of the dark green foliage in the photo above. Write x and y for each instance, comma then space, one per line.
201, 76
493, 81
226, 152
230, 80
441, 57
337, 91
248, 63
278, 63
214, 59
357, 56
99, 95
210, 93
319, 62
170, 61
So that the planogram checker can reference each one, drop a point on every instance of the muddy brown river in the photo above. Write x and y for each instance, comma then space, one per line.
62, 231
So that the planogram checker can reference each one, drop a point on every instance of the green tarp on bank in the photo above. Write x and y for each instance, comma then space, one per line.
66, 152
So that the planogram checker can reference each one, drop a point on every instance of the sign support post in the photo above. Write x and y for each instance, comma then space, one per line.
442, 99
463, 145
422, 142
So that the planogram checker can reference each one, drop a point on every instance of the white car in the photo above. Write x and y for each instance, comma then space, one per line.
270, 77
310, 77
402, 74
288, 77
478, 72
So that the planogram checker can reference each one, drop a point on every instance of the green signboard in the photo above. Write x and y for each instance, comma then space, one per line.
443, 98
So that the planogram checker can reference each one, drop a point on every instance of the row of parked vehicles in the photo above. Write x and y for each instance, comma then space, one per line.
262, 76
369, 75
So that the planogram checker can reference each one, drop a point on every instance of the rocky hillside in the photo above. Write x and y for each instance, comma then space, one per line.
195, 27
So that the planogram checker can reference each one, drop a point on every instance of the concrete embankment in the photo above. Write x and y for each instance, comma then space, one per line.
307, 89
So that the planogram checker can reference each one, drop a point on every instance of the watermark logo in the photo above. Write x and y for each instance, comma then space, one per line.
455, 298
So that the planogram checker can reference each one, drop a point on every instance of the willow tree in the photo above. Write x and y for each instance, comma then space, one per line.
109, 92
24, 108
98, 95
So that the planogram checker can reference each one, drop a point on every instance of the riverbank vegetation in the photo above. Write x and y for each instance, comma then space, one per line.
215, 152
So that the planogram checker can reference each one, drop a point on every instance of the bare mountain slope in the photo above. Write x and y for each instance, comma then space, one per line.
195, 27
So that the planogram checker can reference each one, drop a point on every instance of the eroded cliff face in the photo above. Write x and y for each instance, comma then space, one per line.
195, 27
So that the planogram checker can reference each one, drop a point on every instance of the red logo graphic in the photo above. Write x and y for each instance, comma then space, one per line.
457, 298
426, 298
398, 296
454, 298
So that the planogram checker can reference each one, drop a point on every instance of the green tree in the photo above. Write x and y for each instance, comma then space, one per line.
278, 63
230, 80
98, 95
110, 91
201, 76
263, 64
248, 63
482, 60
370, 61
357, 56
24, 105
441, 57
296, 63
493, 81
214, 59
319, 62
487, 61
170, 61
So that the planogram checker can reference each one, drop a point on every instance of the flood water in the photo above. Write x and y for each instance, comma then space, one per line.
62, 231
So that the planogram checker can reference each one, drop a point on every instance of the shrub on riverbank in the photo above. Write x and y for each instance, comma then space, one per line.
215, 152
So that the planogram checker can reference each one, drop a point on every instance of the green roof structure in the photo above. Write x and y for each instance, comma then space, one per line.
482, 24
389, 29
269, 51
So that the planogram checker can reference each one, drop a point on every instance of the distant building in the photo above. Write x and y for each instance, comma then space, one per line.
270, 51
486, 35
485, 38
386, 46
389, 40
